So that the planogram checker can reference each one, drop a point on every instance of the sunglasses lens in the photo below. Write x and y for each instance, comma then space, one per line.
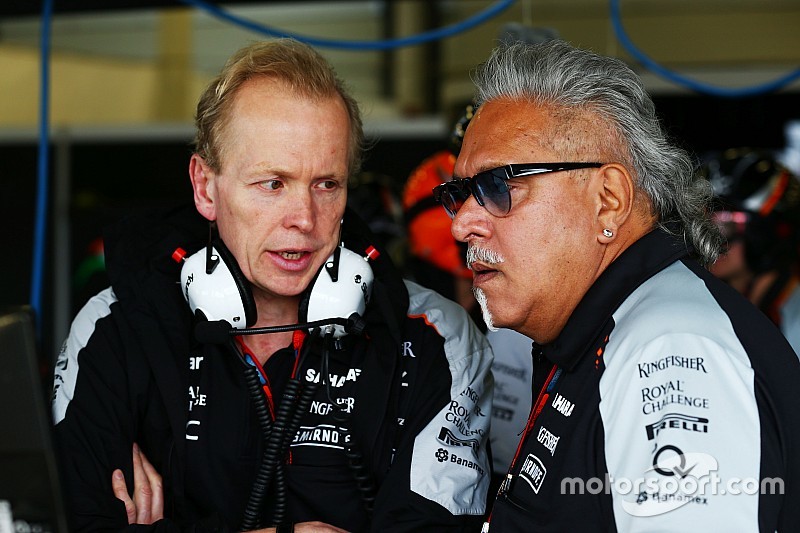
491, 188
452, 196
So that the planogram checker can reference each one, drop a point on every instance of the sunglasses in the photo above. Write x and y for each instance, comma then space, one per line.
490, 187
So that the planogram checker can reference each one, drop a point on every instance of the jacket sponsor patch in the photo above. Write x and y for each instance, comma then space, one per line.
672, 392
533, 472
196, 398
678, 482
443, 456
677, 421
313, 376
323, 435
562, 405
547, 439
671, 361
462, 412
447, 437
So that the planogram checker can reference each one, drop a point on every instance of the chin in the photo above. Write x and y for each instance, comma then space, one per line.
276, 287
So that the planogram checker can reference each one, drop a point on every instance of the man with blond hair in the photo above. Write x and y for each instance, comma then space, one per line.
378, 426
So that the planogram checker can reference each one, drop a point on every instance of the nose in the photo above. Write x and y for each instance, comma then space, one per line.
471, 221
301, 212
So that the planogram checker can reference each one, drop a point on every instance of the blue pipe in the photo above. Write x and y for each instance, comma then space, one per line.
386, 44
674, 77
40, 220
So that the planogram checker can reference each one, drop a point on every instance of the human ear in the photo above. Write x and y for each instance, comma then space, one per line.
615, 199
203, 186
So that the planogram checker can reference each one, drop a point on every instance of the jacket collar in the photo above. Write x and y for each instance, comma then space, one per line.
642, 260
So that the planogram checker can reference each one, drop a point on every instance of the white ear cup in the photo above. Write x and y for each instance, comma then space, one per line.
215, 295
348, 294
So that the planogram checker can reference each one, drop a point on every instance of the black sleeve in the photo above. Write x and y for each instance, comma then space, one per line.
95, 420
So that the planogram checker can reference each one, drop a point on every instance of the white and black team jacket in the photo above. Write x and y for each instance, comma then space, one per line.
667, 403
417, 390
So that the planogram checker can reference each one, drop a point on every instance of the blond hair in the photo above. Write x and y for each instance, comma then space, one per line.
297, 65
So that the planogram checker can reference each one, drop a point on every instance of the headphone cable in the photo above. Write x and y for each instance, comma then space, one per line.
355, 459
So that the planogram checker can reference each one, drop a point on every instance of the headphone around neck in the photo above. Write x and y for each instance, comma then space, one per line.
220, 296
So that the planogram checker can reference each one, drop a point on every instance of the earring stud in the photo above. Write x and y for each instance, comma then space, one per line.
608, 233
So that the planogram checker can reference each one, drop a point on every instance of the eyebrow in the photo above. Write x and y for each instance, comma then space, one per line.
482, 168
261, 169
264, 168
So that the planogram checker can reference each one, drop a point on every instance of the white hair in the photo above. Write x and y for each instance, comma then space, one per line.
487, 315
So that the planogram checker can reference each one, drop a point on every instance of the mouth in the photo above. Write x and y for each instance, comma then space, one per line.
482, 272
292, 260
291, 255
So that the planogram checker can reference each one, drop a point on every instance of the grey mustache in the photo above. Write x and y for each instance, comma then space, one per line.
484, 255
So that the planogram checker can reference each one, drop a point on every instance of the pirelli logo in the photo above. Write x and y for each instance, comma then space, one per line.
677, 421
447, 437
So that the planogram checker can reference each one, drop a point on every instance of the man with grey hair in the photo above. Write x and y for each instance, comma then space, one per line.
663, 401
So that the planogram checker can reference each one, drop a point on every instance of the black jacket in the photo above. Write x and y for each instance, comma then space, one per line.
667, 403
417, 388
